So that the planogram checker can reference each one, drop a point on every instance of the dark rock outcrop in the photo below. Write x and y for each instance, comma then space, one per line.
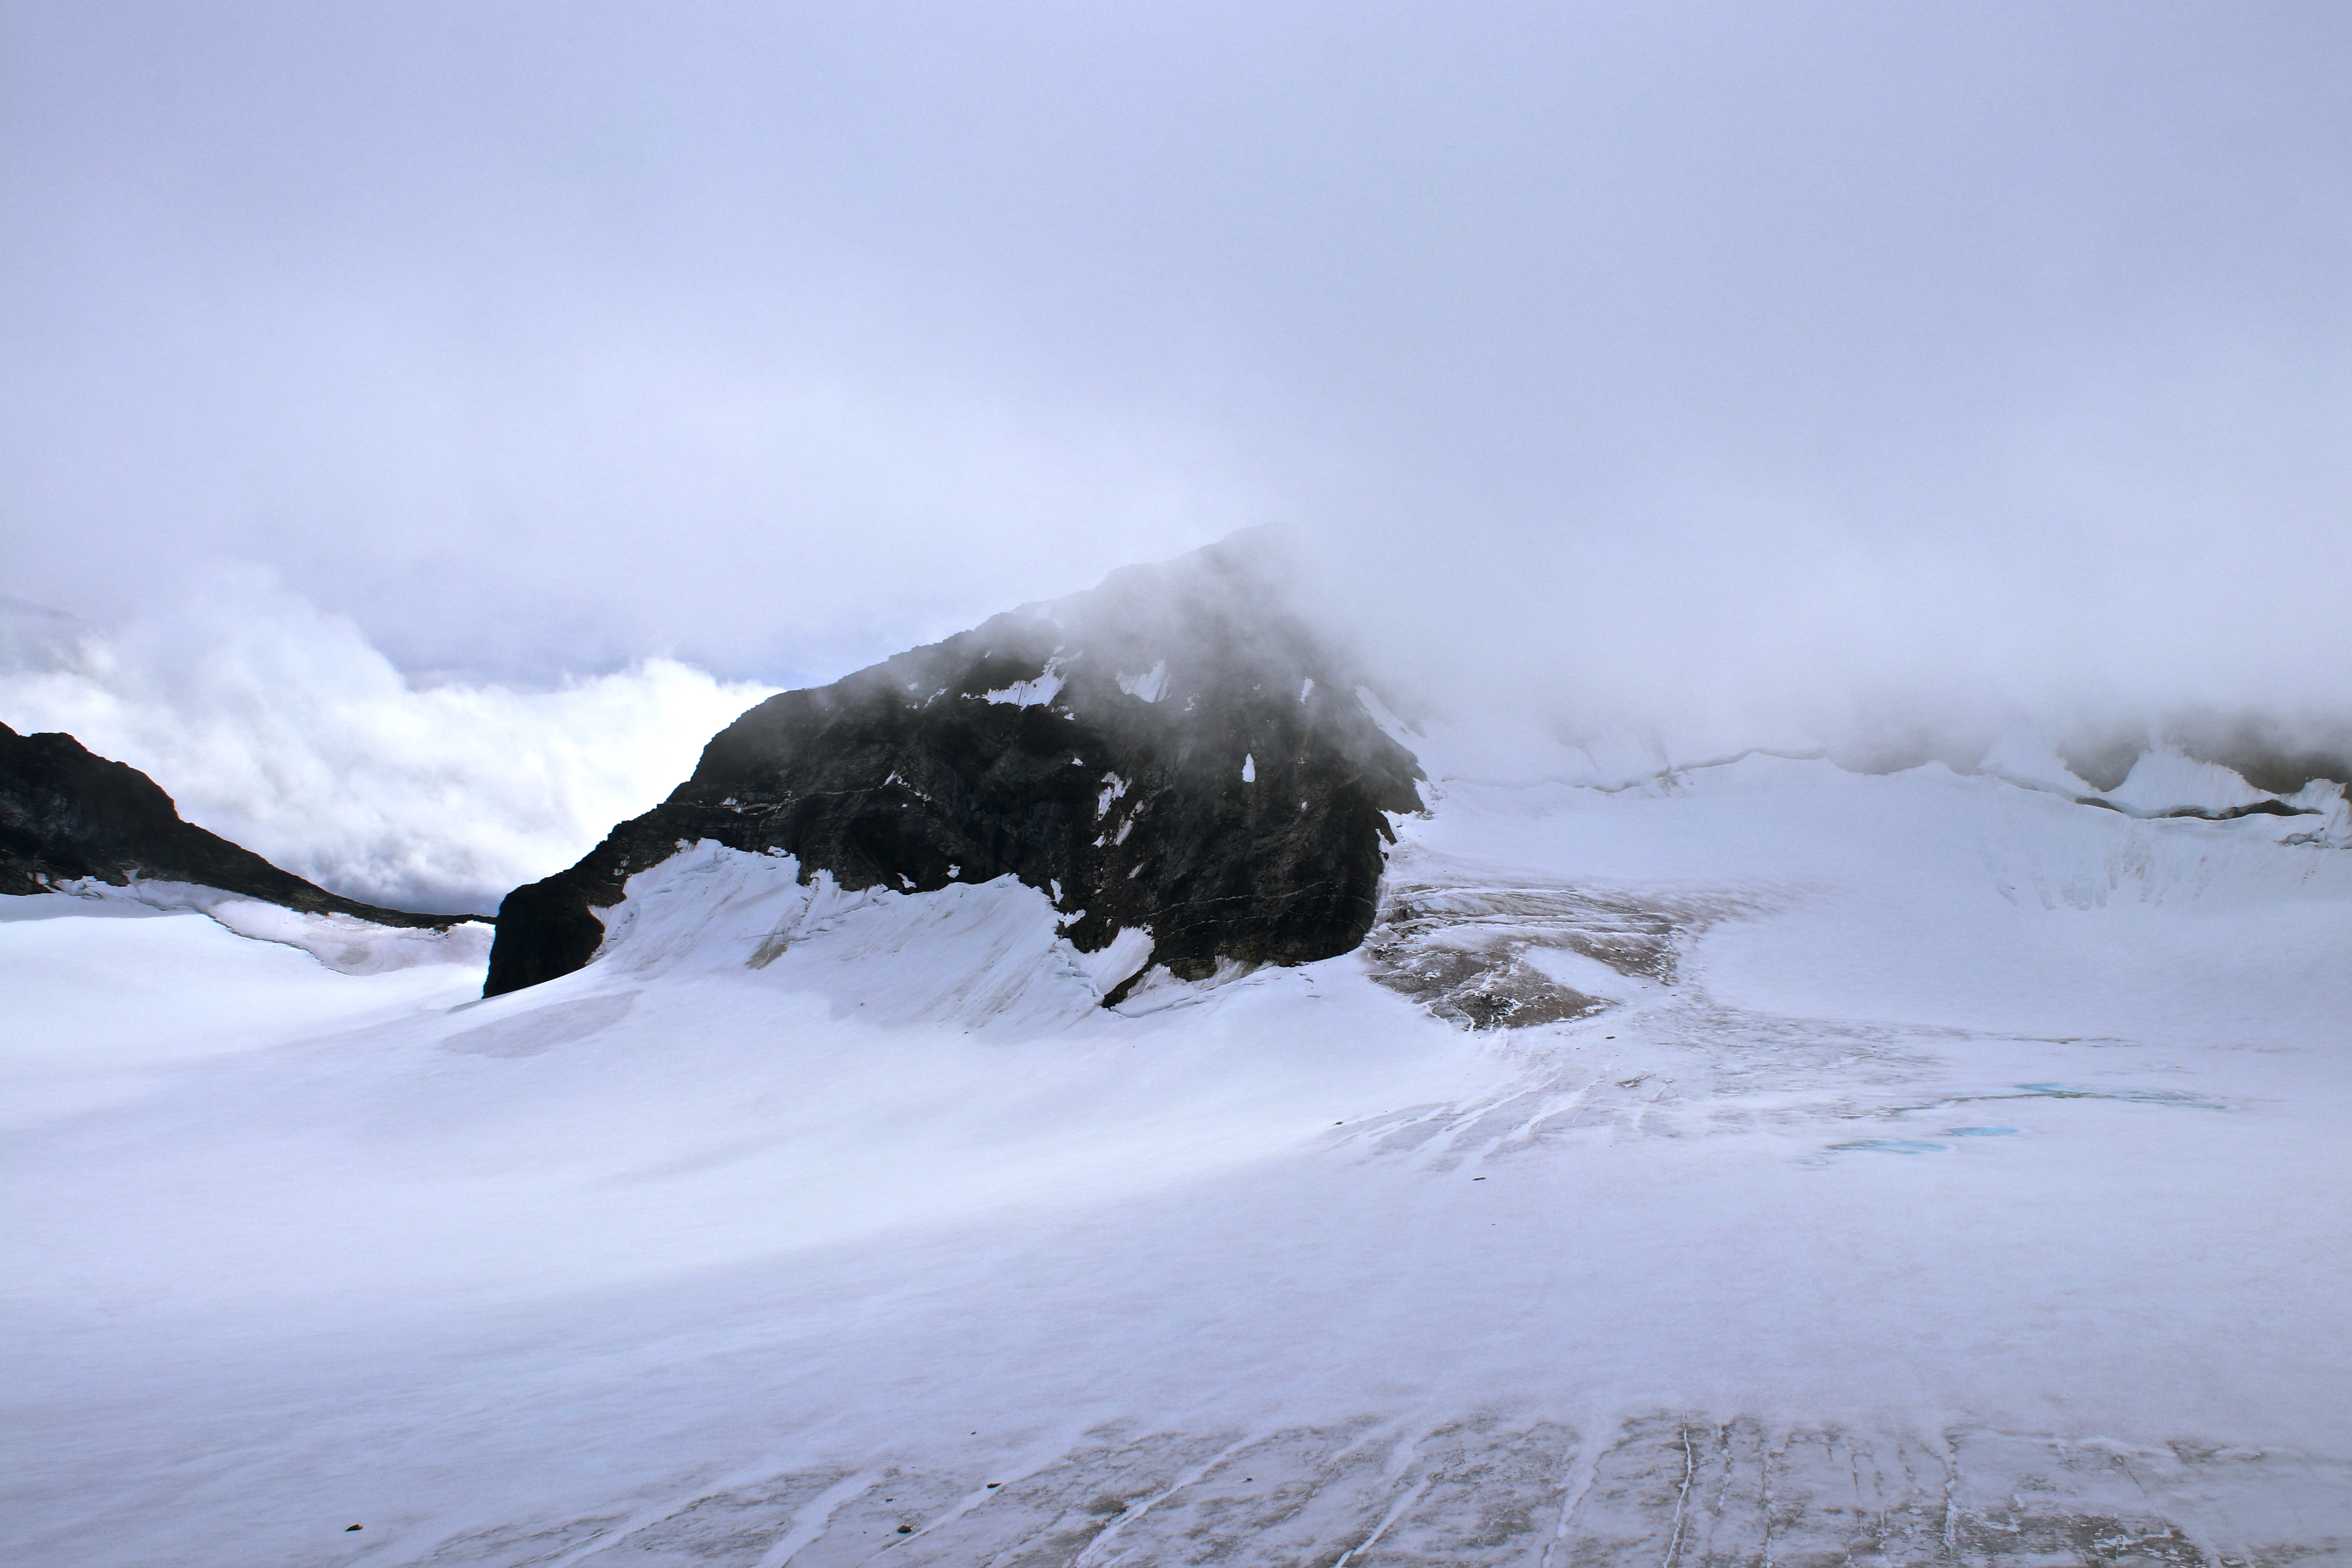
1171, 749
66, 815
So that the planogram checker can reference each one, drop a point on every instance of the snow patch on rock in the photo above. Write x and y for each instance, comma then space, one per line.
1148, 687
1035, 692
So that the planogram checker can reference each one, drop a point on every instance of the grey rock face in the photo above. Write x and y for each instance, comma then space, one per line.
1169, 750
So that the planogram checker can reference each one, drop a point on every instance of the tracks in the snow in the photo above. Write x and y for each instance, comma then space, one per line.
1656, 1489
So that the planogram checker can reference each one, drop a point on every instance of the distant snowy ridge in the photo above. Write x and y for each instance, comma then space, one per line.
2157, 779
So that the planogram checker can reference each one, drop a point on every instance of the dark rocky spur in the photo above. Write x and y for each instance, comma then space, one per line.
66, 815
1171, 750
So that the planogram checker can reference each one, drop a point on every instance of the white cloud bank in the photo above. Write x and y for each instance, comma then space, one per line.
284, 728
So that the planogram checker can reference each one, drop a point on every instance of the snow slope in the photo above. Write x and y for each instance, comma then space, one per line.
1962, 1180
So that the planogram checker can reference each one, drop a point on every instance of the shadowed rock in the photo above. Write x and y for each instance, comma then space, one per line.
1169, 750
66, 815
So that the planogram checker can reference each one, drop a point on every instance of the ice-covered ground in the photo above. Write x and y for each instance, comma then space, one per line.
1955, 1174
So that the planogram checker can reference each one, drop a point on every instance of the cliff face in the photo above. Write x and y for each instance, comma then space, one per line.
1169, 750
66, 814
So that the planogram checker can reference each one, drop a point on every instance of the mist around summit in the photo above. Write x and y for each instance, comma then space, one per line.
1107, 1087
1059, 786
285, 728
1699, 367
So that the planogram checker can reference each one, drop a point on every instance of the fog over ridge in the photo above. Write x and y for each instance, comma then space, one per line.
283, 729
1862, 377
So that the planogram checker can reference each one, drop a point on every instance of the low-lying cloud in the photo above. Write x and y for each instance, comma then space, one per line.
2135, 538
283, 729
1849, 375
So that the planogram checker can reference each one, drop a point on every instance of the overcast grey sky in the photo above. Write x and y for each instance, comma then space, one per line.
1967, 341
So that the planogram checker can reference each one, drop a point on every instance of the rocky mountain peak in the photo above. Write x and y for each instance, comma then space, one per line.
1171, 751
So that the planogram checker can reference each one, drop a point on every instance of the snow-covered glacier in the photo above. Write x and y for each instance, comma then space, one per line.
1760, 1162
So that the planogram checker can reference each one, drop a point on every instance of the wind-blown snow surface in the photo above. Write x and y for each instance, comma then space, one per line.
1972, 1190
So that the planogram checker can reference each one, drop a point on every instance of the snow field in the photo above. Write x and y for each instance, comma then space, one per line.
1970, 1194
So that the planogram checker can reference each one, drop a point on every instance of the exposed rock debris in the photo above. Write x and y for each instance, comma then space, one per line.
1489, 956
1170, 752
